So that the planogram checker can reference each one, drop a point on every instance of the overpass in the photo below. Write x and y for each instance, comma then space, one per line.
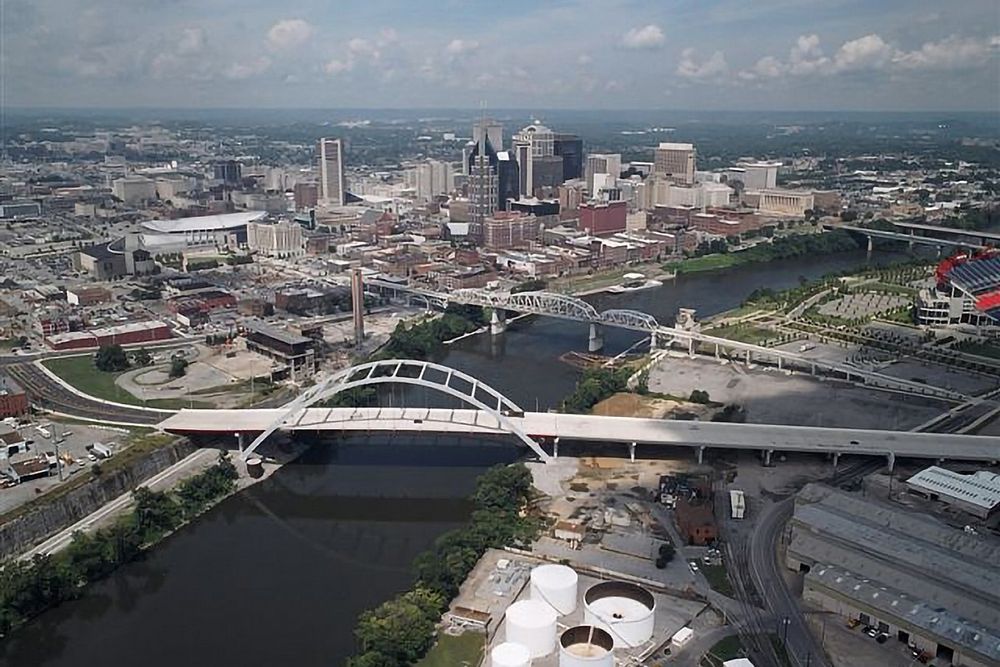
638, 434
571, 308
493, 413
900, 236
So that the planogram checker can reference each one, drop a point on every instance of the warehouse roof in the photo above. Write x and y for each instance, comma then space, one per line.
276, 333
937, 621
981, 488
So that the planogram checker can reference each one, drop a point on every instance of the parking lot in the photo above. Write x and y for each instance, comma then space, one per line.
72, 442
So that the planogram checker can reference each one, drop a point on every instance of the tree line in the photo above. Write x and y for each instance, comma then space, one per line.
401, 630
29, 587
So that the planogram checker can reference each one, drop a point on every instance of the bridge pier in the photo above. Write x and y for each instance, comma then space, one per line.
596, 340
836, 459
767, 457
716, 350
631, 452
691, 347
498, 321
555, 448
871, 245
779, 363
241, 440
701, 454
891, 463
749, 358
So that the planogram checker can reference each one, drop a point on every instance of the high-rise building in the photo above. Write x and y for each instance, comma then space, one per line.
570, 148
432, 178
490, 129
755, 175
330, 153
229, 172
540, 141
601, 163
675, 161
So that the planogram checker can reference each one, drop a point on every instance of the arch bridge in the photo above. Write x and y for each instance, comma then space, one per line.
425, 374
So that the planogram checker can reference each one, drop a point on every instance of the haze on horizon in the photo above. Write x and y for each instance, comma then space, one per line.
577, 54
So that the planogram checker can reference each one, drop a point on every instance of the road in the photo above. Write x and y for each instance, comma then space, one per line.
162, 480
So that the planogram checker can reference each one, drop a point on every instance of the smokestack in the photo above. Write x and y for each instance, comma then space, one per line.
358, 306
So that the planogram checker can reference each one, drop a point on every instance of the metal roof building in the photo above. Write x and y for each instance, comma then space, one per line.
977, 493
913, 577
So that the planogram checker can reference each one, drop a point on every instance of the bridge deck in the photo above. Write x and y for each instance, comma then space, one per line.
643, 431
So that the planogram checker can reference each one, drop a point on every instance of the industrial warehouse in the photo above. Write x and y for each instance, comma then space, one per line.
907, 576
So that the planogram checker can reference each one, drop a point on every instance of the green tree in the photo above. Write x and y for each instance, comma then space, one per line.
155, 513
178, 367
699, 396
399, 629
111, 359
142, 357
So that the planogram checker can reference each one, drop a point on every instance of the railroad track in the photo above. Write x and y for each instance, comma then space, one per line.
50, 395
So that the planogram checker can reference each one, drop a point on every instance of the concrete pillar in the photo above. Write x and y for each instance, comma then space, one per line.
631, 452
652, 341
870, 245
691, 347
767, 456
836, 459
555, 448
749, 358
596, 341
779, 363
812, 369
498, 321
701, 454
716, 350
241, 441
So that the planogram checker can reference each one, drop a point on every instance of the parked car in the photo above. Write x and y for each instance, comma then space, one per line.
693, 566
871, 631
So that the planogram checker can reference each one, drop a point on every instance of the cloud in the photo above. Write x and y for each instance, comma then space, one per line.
647, 37
458, 47
951, 53
192, 42
712, 68
863, 53
248, 68
288, 33
361, 47
335, 66
584, 59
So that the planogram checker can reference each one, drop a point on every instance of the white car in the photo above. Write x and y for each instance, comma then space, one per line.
693, 566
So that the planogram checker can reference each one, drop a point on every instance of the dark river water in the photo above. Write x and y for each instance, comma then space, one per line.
277, 574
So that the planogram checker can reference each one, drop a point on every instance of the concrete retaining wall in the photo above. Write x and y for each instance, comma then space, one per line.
48, 518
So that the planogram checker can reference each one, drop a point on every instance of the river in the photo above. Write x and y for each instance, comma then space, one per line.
278, 573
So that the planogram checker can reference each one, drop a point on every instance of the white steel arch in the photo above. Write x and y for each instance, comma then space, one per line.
629, 319
538, 303
389, 371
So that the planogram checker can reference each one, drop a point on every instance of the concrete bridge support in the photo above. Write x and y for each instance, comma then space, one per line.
767, 457
701, 454
241, 440
691, 347
891, 461
652, 341
631, 452
836, 459
596, 341
871, 245
555, 448
498, 322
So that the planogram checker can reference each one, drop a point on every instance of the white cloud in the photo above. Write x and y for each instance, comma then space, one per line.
868, 52
361, 47
246, 69
767, 67
192, 41
584, 59
457, 47
714, 67
951, 53
647, 37
288, 33
335, 66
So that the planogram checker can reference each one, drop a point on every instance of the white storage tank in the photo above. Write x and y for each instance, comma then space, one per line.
625, 610
532, 624
510, 654
586, 646
555, 585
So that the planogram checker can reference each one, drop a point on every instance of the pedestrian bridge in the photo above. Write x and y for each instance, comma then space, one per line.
638, 434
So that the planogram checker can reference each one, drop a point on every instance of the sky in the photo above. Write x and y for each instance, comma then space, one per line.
580, 54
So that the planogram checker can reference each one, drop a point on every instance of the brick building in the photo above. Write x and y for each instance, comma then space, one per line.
13, 399
696, 522
603, 218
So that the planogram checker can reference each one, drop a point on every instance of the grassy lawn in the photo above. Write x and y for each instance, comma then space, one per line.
728, 648
81, 373
747, 333
717, 579
465, 650
704, 263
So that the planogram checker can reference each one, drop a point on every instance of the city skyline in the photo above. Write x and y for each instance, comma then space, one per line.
796, 55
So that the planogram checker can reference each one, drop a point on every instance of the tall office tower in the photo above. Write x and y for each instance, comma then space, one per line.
570, 148
483, 181
675, 161
522, 154
601, 163
330, 153
490, 129
431, 178
227, 171
540, 139
508, 179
